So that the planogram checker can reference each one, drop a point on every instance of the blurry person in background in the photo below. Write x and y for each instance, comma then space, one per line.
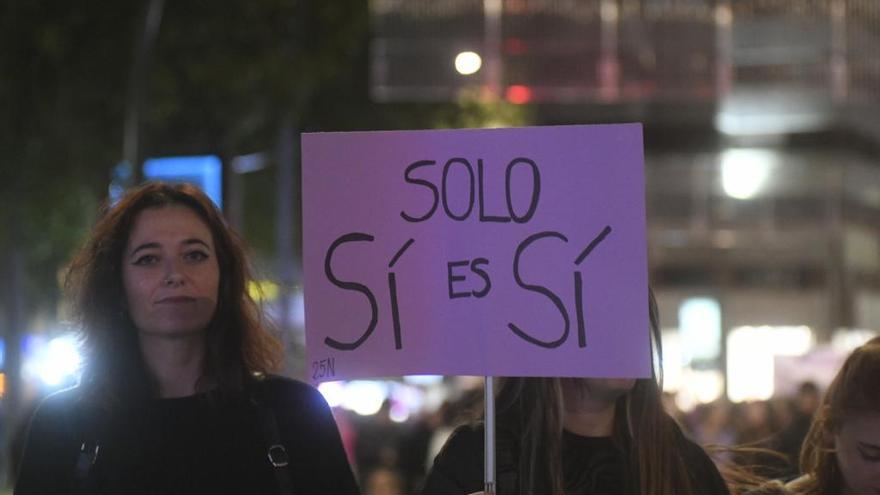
579, 436
754, 429
445, 425
466, 408
712, 427
841, 453
347, 432
378, 442
414, 445
176, 395
754, 423
790, 439
383, 481
782, 410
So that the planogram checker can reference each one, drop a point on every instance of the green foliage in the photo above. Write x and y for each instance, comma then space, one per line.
226, 72
221, 77
223, 73
59, 130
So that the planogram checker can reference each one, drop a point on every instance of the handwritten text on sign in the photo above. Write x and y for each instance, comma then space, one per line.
476, 252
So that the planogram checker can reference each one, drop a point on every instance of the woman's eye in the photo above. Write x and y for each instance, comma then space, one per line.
147, 259
870, 457
195, 256
869, 454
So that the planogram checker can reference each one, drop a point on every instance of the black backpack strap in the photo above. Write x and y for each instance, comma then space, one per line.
87, 429
276, 453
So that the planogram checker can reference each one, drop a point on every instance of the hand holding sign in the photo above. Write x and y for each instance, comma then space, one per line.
476, 252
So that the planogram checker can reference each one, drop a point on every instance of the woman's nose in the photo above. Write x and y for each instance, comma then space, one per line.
173, 274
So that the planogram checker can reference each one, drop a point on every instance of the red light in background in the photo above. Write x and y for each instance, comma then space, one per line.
518, 94
514, 46
515, 6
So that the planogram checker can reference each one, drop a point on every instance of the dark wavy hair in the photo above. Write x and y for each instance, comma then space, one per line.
239, 344
533, 409
854, 390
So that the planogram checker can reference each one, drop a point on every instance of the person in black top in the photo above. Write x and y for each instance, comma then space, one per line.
176, 395
790, 439
579, 436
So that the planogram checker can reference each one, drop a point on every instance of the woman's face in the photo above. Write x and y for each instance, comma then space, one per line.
170, 272
594, 390
857, 446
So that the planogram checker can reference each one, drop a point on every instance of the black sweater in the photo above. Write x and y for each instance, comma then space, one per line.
195, 444
591, 466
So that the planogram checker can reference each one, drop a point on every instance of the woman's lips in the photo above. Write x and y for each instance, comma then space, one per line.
176, 300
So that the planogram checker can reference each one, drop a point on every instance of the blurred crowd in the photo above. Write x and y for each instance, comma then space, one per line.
392, 458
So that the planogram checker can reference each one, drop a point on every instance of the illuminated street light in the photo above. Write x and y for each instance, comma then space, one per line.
467, 63
744, 171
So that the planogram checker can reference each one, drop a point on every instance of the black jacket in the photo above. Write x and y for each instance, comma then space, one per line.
593, 466
196, 444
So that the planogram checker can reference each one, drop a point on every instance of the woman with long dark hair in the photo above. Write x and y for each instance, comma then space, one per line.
841, 453
176, 394
579, 436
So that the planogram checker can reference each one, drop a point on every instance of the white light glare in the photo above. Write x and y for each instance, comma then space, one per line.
750, 354
423, 379
333, 392
365, 397
744, 171
699, 322
467, 63
846, 340
673, 362
405, 400
699, 387
399, 413
57, 360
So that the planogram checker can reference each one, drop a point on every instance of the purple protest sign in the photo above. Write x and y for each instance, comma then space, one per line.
503, 252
